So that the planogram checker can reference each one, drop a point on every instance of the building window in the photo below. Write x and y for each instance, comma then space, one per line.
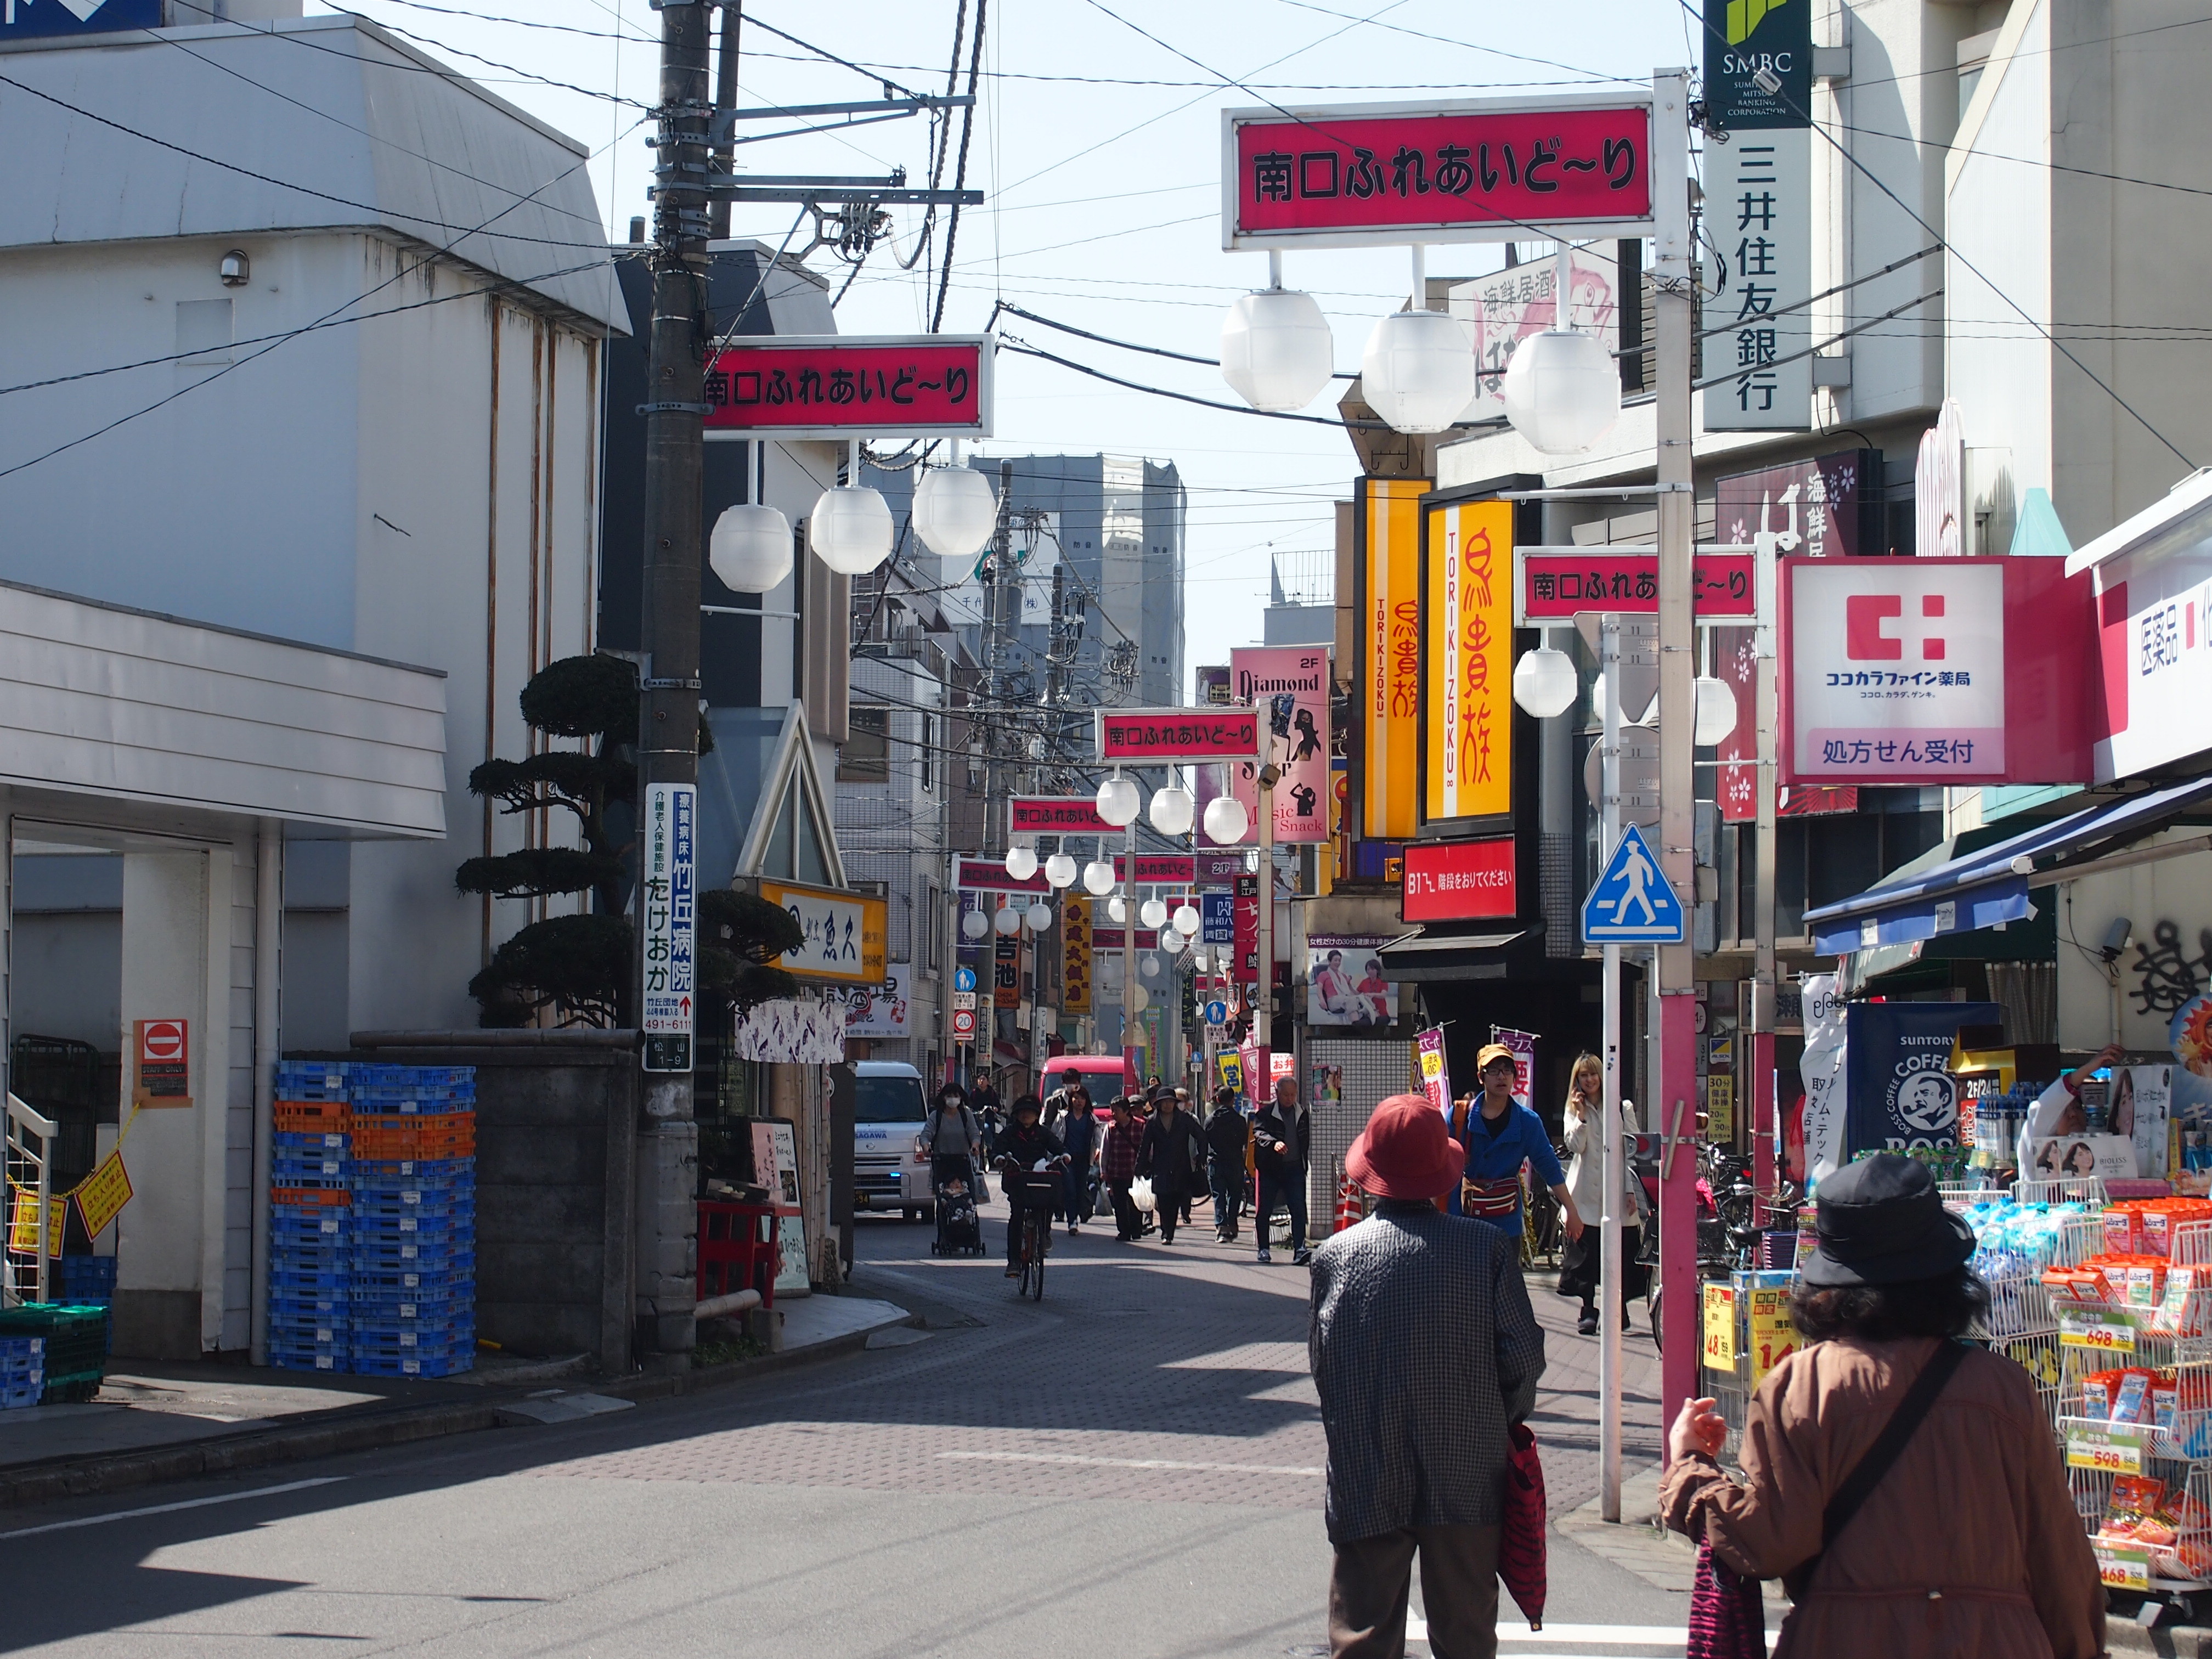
933, 919
928, 753
865, 757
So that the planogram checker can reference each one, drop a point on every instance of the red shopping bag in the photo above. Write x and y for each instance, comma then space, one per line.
1521, 1549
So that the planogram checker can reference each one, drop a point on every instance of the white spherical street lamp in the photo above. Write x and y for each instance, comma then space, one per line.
1544, 683
850, 530
1172, 810
1148, 965
1226, 820
1277, 352
1039, 916
973, 925
1059, 871
750, 550
1562, 391
1418, 373
955, 511
1098, 878
1008, 922
1117, 908
1139, 999
1153, 913
1021, 862
1715, 711
1187, 920
1172, 942
1118, 800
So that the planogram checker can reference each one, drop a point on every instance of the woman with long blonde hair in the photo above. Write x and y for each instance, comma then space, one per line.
1579, 1266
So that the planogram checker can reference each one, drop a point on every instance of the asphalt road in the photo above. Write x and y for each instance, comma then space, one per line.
1131, 1467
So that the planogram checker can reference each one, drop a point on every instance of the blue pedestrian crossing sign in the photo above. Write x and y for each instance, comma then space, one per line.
1632, 903
963, 979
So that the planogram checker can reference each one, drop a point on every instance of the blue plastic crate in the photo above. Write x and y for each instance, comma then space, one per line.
413, 1254
21, 1396
311, 1252
94, 1275
296, 1305
425, 1223
308, 1160
310, 1281
374, 1074
22, 1358
451, 1364
420, 1174
409, 1310
311, 1079
287, 1143
391, 1281
298, 1336
308, 1359
391, 1211
403, 1103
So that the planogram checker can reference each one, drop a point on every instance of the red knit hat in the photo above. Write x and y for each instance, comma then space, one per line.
1405, 1151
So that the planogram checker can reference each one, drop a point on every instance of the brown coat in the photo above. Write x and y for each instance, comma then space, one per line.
1969, 1545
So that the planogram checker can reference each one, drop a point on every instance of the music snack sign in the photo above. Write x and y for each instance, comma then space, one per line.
1347, 175
851, 386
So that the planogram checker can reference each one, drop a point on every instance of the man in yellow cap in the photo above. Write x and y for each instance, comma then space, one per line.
1499, 1137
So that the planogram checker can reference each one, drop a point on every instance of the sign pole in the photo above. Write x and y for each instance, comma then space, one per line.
1674, 282
1128, 939
1765, 982
1613, 1152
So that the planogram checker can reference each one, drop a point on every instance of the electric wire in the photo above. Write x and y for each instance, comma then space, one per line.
960, 173
1125, 345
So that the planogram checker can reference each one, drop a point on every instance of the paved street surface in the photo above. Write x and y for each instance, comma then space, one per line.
1132, 1467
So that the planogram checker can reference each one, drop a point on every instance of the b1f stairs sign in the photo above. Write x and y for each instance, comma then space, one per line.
1632, 903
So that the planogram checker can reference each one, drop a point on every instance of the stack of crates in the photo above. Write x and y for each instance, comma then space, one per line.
22, 1371
310, 1240
73, 1360
414, 1220
89, 1281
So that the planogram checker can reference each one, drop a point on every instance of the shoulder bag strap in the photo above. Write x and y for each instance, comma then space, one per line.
1912, 1411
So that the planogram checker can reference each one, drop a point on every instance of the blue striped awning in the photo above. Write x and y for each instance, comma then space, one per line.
1989, 887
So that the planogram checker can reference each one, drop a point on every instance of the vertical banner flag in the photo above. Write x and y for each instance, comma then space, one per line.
1388, 664
1290, 686
1759, 215
1075, 955
1522, 1045
1467, 720
1435, 1081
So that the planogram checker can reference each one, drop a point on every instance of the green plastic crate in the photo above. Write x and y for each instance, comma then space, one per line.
76, 1345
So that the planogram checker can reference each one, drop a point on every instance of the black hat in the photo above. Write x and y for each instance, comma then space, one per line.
1882, 1222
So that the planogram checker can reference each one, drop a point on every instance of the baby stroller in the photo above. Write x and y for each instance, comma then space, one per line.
958, 1231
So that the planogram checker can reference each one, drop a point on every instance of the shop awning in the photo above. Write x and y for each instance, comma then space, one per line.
1432, 958
1990, 886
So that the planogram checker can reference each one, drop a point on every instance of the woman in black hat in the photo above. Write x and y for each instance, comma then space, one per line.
1966, 1540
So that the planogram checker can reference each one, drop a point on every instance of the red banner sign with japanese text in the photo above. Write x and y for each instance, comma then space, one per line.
1056, 815
989, 875
852, 385
1460, 880
1484, 170
1554, 587
1158, 869
1157, 736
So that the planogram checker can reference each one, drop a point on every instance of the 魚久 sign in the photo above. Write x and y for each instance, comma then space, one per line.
1477, 170
845, 933
833, 386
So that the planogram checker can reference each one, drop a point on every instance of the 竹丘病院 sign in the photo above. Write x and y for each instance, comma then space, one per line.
851, 386
1478, 170
667, 903
844, 934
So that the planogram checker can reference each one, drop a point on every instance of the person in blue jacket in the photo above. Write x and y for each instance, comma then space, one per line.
1499, 1135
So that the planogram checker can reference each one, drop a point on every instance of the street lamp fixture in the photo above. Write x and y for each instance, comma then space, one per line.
1186, 920
1277, 351
1172, 811
1118, 800
1008, 922
1716, 706
1059, 871
1098, 878
1226, 820
1021, 862
1544, 683
750, 550
1153, 913
974, 925
1039, 916
955, 511
850, 529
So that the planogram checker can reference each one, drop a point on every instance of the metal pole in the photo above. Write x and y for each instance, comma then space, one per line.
725, 97
1673, 289
668, 707
1128, 938
1613, 1153
1765, 979
268, 1048
1263, 1088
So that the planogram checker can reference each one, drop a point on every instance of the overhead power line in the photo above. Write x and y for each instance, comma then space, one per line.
1125, 345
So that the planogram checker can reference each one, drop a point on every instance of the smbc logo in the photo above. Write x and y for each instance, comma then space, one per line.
1745, 15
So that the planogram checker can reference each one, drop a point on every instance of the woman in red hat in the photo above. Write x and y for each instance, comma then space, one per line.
1425, 1353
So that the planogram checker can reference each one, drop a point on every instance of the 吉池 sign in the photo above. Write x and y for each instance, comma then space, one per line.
1554, 587
852, 385
1159, 737
1467, 721
845, 933
1477, 170
668, 905
1387, 661
1458, 880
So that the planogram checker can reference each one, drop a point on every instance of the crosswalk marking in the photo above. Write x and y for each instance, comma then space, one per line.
1128, 1462
1515, 1637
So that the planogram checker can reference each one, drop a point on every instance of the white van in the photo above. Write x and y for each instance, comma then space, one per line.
889, 1110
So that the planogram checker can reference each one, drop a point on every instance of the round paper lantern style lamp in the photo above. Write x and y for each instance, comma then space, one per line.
750, 549
1277, 351
1716, 716
1418, 370
1021, 862
1118, 801
850, 530
1186, 920
1226, 820
1172, 811
1039, 916
1008, 922
1060, 870
973, 925
1098, 878
955, 511
1544, 683
1153, 913
1562, 391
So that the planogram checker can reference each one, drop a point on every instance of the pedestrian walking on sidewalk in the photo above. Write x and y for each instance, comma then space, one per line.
1190, 1193
1228, 1139
1499, 1138
1579, 1266
1966, 1544
1282, 1146
1172, 1157
1117, 1166
1425, 1353
1079, 1134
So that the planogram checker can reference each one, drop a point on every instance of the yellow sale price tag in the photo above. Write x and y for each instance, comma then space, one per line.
2122, 1567
2102, 1335
1720, 1325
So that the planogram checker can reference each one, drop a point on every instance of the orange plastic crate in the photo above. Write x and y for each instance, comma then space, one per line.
438, 1136
325, 1198
313, 1117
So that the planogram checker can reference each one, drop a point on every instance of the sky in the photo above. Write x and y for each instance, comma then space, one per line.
1096, 141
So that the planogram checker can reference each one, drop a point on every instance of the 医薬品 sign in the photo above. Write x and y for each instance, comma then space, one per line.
851, 386
1156, 737
1479, 170
845, 933
1458, 880
1467, 721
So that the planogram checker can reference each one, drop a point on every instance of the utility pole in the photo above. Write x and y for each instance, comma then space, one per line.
668, 706
997, 590
725, 97
1673, 287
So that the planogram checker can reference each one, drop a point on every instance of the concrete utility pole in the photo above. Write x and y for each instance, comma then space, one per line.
725, 97
668, 738
1673, 289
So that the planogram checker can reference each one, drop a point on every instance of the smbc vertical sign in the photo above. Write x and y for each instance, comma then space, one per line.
1758, 367
667, 912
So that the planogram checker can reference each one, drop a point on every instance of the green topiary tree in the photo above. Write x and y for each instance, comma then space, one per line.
582, 966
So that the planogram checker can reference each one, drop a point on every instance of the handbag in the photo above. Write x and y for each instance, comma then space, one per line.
1521, 1559
1728, 1612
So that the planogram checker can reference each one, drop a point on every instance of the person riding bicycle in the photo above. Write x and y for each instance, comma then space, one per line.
1024, 1146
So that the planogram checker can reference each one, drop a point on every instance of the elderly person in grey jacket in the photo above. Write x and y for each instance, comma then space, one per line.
1424, 1349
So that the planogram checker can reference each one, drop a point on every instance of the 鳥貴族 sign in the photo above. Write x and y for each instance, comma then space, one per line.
852, 385
1387, 663
1467, 720
1480, 170
1156, 737
1056, 815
